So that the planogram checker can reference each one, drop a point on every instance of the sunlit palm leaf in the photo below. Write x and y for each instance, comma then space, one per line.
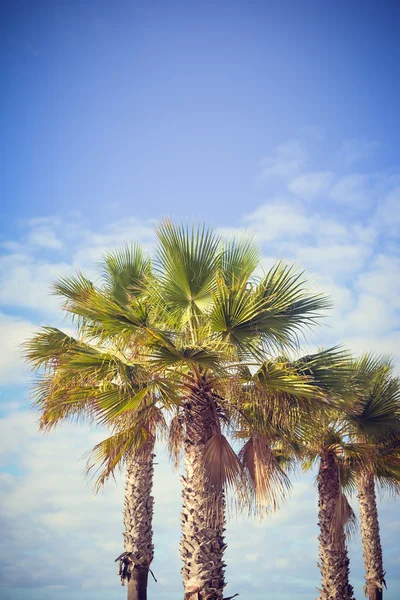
186, 264
239, 259
126, 272
109, 454
48, 347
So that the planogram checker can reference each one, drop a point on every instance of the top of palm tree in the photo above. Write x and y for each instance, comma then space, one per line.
374, 414
150, 333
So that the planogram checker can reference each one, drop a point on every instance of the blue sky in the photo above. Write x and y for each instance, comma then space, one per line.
278, 118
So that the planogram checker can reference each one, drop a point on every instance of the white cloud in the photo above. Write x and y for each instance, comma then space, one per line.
382, 279
285, 161
354, 189
50, 220
94, 245
365, 191
25, 282
52, 516
342, 296
278, 219
333, 258
14, 331
388, 212
311, 186
371, 315
26, 277
44, 237
387, 343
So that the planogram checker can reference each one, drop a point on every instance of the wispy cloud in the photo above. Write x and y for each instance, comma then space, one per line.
14, 331
285, 161
278, 219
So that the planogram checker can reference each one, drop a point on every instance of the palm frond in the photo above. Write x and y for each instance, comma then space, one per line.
329, 370
125, 272
75, 289
369, 364
187, 261
271, 484
375, 414
273, 376
58, 400
286, 294
166, 356
222, 465
96, 309
175, 439
271, 316
48, 347
111, 452
343, 518
239, 259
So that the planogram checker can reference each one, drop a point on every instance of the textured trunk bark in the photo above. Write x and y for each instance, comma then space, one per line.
203, 514
334, 562
371, 541
135, 562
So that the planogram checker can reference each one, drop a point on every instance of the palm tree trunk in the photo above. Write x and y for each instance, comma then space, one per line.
134, 563
372, 549
203, 514
334, 561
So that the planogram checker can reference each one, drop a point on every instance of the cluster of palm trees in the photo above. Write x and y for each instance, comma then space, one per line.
192, 348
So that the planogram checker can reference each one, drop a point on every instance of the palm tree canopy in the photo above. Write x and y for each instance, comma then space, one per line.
152, 333
375, 412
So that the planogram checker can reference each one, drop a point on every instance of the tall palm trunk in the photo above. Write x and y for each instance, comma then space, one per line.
134, 563
203, 514
334, 562
371, 541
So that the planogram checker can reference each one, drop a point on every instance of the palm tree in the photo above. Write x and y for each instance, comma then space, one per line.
319, 437
374, 418
279, 396
334, 515
322, 441
195, 330
92, 376
222, 321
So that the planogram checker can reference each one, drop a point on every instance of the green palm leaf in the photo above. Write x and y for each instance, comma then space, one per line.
126, 272
187, 263
239, 258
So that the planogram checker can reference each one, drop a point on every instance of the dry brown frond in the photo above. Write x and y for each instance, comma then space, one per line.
223, 467
175, 440
109, 454
270, 482
343, 518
